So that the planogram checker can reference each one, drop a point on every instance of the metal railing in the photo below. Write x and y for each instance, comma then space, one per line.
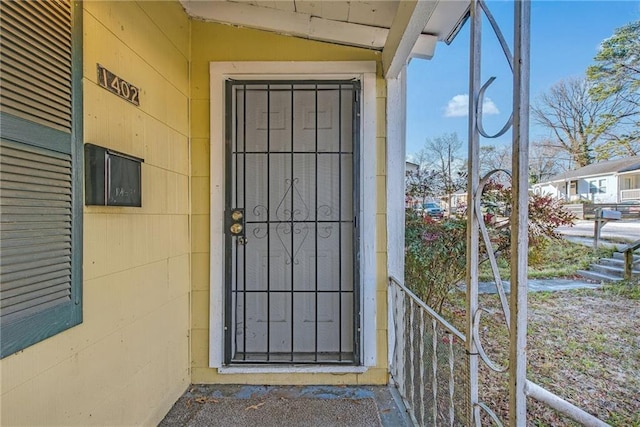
631, 194
429, 363
429, 367
628, 252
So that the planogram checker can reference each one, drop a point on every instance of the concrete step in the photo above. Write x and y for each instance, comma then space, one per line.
613, 262
611, 270
620, 255
600, 277
607, 269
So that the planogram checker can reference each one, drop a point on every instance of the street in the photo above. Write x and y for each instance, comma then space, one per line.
618, 231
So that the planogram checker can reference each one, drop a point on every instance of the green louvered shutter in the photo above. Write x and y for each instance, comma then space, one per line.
40, 193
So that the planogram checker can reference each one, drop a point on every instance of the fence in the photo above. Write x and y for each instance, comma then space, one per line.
587, 210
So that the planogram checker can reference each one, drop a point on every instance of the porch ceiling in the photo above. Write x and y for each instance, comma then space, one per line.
401, 29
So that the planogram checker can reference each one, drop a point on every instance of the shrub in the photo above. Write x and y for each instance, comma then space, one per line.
434, 256
435, 251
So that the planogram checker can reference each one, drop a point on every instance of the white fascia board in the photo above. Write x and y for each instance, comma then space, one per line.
633, 172
447, 19
408, 24
425, 47
290, 23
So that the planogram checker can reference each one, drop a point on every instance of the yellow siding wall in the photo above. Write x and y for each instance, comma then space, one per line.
128, 362
215, 42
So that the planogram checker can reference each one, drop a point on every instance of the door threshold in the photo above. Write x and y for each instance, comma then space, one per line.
292, 369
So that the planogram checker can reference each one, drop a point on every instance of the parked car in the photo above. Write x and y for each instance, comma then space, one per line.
433, 210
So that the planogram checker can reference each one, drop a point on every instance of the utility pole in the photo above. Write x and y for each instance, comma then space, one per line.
449, 183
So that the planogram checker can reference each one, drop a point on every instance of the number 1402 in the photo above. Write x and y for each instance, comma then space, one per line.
115, 84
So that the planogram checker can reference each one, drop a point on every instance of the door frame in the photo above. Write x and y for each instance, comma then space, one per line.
365, 72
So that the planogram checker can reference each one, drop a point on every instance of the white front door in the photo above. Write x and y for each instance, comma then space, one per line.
292, 264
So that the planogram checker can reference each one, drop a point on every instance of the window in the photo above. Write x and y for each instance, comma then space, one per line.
602, 186
40, 171
593, 188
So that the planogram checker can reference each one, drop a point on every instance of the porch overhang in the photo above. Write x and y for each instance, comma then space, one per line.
628, 173
401, 30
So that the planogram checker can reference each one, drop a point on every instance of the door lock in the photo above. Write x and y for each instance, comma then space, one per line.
235, 224
237, 215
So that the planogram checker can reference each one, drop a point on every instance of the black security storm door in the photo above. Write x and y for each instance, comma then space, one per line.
292, 243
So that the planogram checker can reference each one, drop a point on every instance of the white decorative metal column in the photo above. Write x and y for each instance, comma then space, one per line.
515, 310
519, 217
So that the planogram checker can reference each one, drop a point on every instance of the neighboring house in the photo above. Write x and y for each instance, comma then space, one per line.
458, 201
613, 181
411, 167
110, 312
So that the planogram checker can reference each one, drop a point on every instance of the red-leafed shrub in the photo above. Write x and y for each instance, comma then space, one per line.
435, 251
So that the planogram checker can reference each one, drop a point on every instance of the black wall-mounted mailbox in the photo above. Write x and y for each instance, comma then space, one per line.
111, 178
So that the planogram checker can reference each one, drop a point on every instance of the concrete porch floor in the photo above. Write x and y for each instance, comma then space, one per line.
262, 406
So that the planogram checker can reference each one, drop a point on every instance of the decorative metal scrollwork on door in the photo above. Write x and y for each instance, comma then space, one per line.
295, 219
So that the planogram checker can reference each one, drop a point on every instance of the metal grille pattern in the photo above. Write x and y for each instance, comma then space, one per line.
429, 363
292, 153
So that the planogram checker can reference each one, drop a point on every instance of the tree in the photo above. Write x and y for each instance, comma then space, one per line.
579, 122
420, 184
494, 157
617, 68
616, 75
545, 161
440, 156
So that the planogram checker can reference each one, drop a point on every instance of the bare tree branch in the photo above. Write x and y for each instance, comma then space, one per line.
581, 123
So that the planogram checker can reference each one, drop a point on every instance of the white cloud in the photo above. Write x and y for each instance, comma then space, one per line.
488, 107
458, 106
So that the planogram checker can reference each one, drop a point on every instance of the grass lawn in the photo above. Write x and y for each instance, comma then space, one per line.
583, 345
556, 259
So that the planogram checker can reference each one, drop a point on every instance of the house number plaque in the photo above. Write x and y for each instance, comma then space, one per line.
120, 87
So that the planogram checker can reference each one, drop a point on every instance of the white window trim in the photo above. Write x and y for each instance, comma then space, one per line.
365, 71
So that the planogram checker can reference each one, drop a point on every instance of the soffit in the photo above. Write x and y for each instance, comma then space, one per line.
401, 29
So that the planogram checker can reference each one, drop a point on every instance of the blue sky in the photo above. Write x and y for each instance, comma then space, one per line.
564, 39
